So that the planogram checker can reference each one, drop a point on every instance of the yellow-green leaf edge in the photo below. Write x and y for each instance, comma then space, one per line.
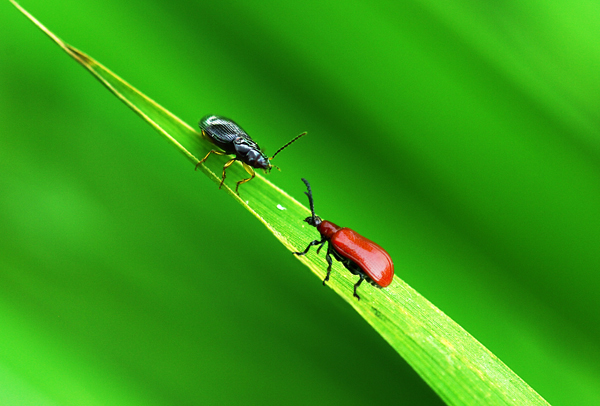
458, 368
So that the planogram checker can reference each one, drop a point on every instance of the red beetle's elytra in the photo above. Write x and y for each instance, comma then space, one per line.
359, 255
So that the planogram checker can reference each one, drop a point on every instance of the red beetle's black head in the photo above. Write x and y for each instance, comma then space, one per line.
313, 220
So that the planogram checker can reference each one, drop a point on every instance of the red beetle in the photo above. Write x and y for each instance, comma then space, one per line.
359, 255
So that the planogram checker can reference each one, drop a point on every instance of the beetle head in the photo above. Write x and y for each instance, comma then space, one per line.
313, 221
257, 159
249, 152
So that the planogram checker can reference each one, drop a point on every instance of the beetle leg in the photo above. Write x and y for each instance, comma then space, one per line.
329, 261
322, 243
362, 278
227, 165
248, 169
212, 151
315, 242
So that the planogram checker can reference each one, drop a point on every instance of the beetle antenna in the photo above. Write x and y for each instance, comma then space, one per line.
310, 200
279, 150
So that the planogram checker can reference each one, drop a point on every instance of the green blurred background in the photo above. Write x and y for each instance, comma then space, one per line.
462, 137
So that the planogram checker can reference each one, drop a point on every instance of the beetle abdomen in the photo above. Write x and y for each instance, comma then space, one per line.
369, 256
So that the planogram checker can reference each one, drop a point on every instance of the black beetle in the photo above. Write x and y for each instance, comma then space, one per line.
230, 137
